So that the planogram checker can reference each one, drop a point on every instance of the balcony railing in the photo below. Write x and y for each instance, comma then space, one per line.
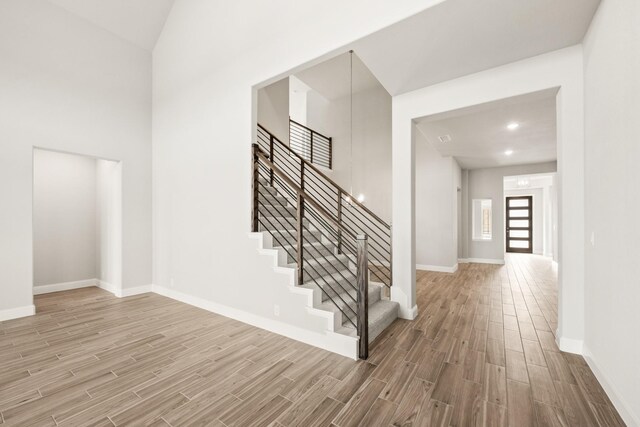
311, 145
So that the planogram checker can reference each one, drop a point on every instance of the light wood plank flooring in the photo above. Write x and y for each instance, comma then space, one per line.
481, 352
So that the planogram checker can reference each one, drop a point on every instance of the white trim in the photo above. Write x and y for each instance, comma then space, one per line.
65, 286
437, 268
129, 292
623, 407
409, 314
15, 313
123, 293
481, 261
569, 345
334, 342
106, 286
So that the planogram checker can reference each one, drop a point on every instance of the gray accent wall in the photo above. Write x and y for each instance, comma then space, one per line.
488, 184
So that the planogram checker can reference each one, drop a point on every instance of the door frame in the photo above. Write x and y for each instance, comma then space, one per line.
528, 250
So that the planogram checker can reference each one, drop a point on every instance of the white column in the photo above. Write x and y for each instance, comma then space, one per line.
570, 116
403, 290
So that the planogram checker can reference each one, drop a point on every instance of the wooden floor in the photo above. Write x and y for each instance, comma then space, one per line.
482, 352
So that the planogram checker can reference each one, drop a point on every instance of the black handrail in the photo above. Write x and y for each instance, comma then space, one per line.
332, 182
343, 209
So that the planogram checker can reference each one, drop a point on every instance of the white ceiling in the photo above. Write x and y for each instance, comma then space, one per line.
461, 37
138, 21
479, 134
332, 78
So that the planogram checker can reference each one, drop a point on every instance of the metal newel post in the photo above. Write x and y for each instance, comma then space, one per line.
339, 221
254, 204
363, 296
272, 160
299, 229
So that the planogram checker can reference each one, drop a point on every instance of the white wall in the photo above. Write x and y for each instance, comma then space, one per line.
365, 167
298, 100
70, 86
64, 218
612, 202
273, 109
203, 127
561, 69
488, 184
437, 180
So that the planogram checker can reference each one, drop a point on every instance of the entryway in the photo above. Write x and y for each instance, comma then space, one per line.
519, 224
77, 222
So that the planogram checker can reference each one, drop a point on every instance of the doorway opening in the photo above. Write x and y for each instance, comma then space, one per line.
77, 222
531, 214
519, 224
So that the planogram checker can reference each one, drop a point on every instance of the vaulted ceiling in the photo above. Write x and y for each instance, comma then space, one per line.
339, 77
137, 21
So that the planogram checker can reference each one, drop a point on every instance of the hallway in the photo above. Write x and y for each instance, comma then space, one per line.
481, 352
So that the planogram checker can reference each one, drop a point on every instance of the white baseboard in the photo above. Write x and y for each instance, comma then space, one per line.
408, 314
15, 313
623, 407
129, 292
437, 268
106, 286
570, 345
66, 286
123, 293
336, 343
481, 261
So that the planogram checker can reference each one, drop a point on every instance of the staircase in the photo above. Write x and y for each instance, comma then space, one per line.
340, 251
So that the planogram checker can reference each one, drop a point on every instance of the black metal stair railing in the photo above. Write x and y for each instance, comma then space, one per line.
300, 225
310, 144
351, 216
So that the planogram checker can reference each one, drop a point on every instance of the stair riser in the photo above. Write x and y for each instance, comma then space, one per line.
289, 240
381, 315
375, 293
374, 297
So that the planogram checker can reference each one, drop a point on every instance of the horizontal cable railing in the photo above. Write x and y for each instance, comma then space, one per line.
307, 233
352, 215
311, 145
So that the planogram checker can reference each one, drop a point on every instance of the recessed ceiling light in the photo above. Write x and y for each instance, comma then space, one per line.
361, 197
508, 152
513, 126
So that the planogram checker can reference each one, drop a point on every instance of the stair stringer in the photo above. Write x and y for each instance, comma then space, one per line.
332, 341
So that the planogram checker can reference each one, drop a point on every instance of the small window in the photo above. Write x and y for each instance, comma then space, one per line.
482, 221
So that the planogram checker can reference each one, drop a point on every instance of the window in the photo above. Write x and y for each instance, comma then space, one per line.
481, 219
